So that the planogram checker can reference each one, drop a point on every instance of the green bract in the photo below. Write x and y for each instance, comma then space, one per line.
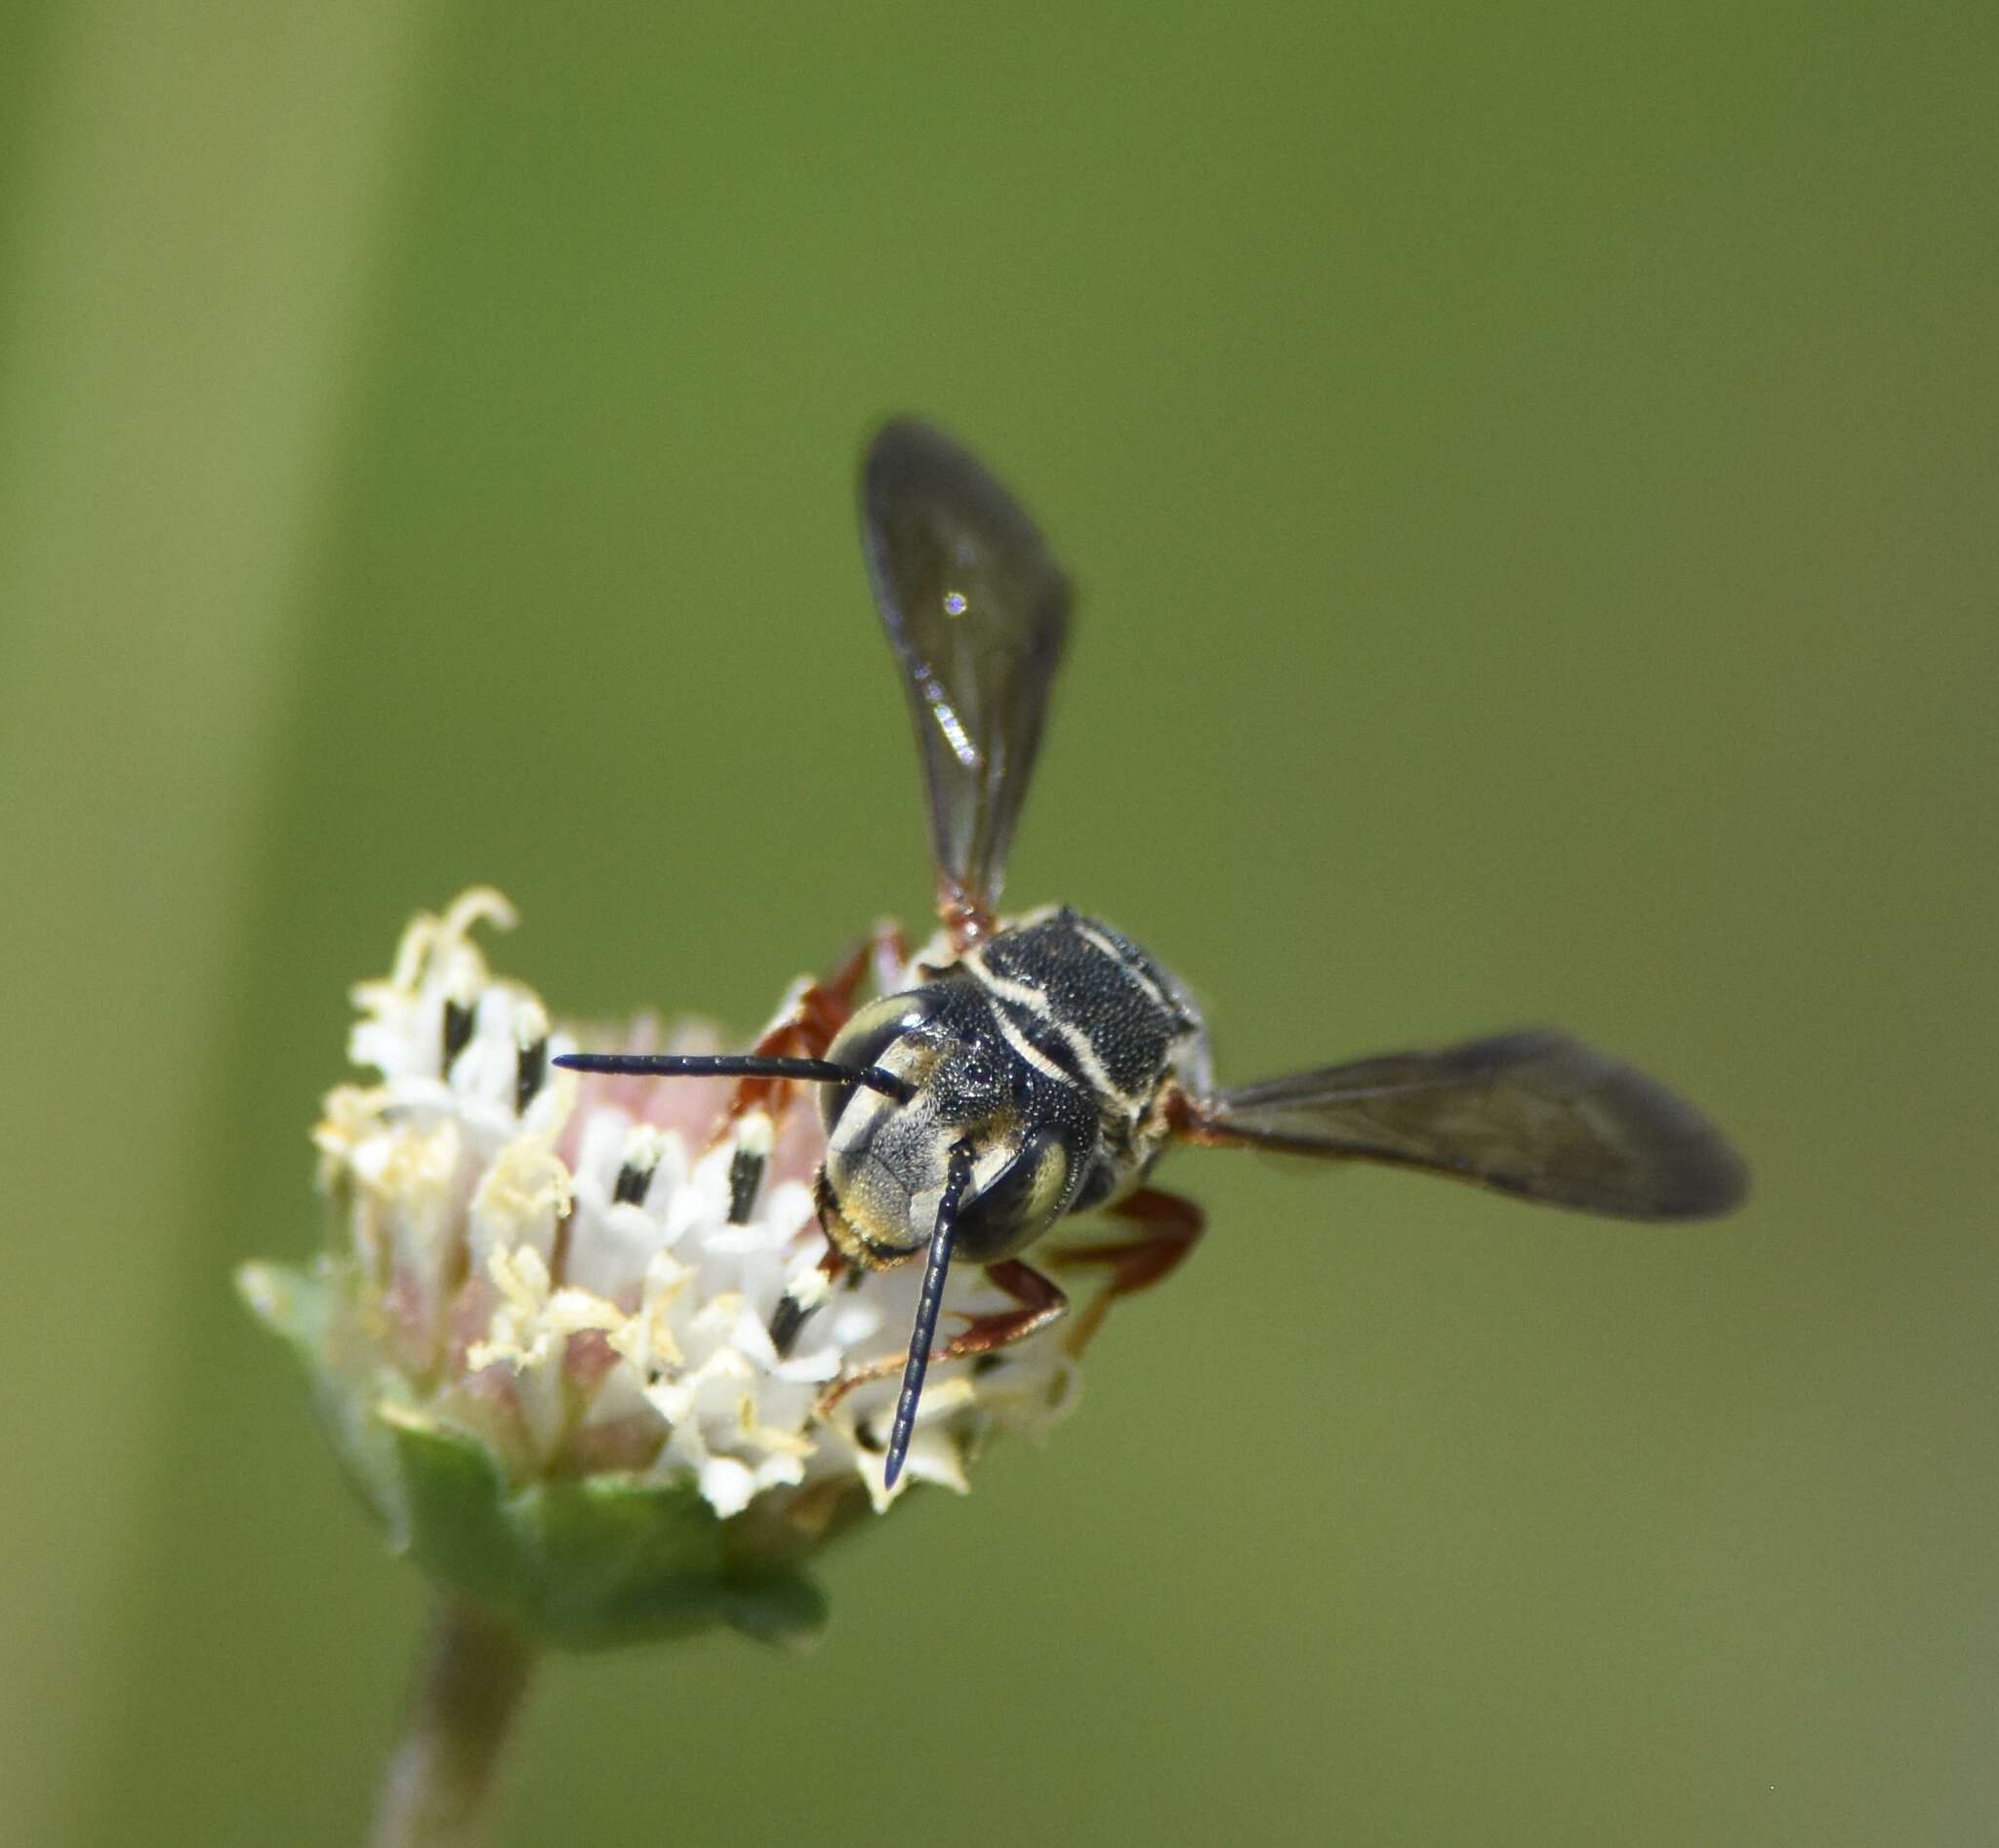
579, 1564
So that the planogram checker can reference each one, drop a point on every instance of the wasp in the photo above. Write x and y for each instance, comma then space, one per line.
1020, 1070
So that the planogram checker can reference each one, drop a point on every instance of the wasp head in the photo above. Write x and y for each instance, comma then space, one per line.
888, 1158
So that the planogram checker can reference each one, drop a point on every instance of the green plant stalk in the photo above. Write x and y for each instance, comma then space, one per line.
460, 1714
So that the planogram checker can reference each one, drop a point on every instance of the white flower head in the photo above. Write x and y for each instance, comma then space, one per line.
582, 1272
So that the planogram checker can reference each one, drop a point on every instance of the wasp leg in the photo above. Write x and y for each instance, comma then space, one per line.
882, 955
805, 1030
1172, 1229
1040, 1300
808, 1027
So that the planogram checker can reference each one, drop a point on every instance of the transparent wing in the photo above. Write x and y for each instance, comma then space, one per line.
1535, 1113
977, 613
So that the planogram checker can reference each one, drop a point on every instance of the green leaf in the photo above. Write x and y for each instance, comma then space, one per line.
590, 1563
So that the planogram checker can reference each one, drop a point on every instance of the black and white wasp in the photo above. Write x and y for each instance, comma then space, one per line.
1027, 1068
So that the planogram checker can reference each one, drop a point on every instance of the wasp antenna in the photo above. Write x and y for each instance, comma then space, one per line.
738, 1065
956, 1179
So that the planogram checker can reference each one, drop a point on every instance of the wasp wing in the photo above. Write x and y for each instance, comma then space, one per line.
977, 613
1535, 1113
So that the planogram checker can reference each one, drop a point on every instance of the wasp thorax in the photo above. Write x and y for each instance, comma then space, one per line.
887, 1159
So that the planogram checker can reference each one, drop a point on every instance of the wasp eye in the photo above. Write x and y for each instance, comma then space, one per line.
861, 1042
1024, 1197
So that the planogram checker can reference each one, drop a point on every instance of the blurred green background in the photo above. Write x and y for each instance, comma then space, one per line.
1531, 473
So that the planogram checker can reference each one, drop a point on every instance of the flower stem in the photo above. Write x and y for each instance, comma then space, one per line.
467, 1694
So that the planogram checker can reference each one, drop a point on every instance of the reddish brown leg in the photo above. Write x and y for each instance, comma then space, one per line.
808, 1027
882, 954
891, 953
1172, 1227
1040, 1300
813, 1020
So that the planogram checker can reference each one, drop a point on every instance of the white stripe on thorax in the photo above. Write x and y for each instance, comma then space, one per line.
1104, 946
1021, 995
1025, 1047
